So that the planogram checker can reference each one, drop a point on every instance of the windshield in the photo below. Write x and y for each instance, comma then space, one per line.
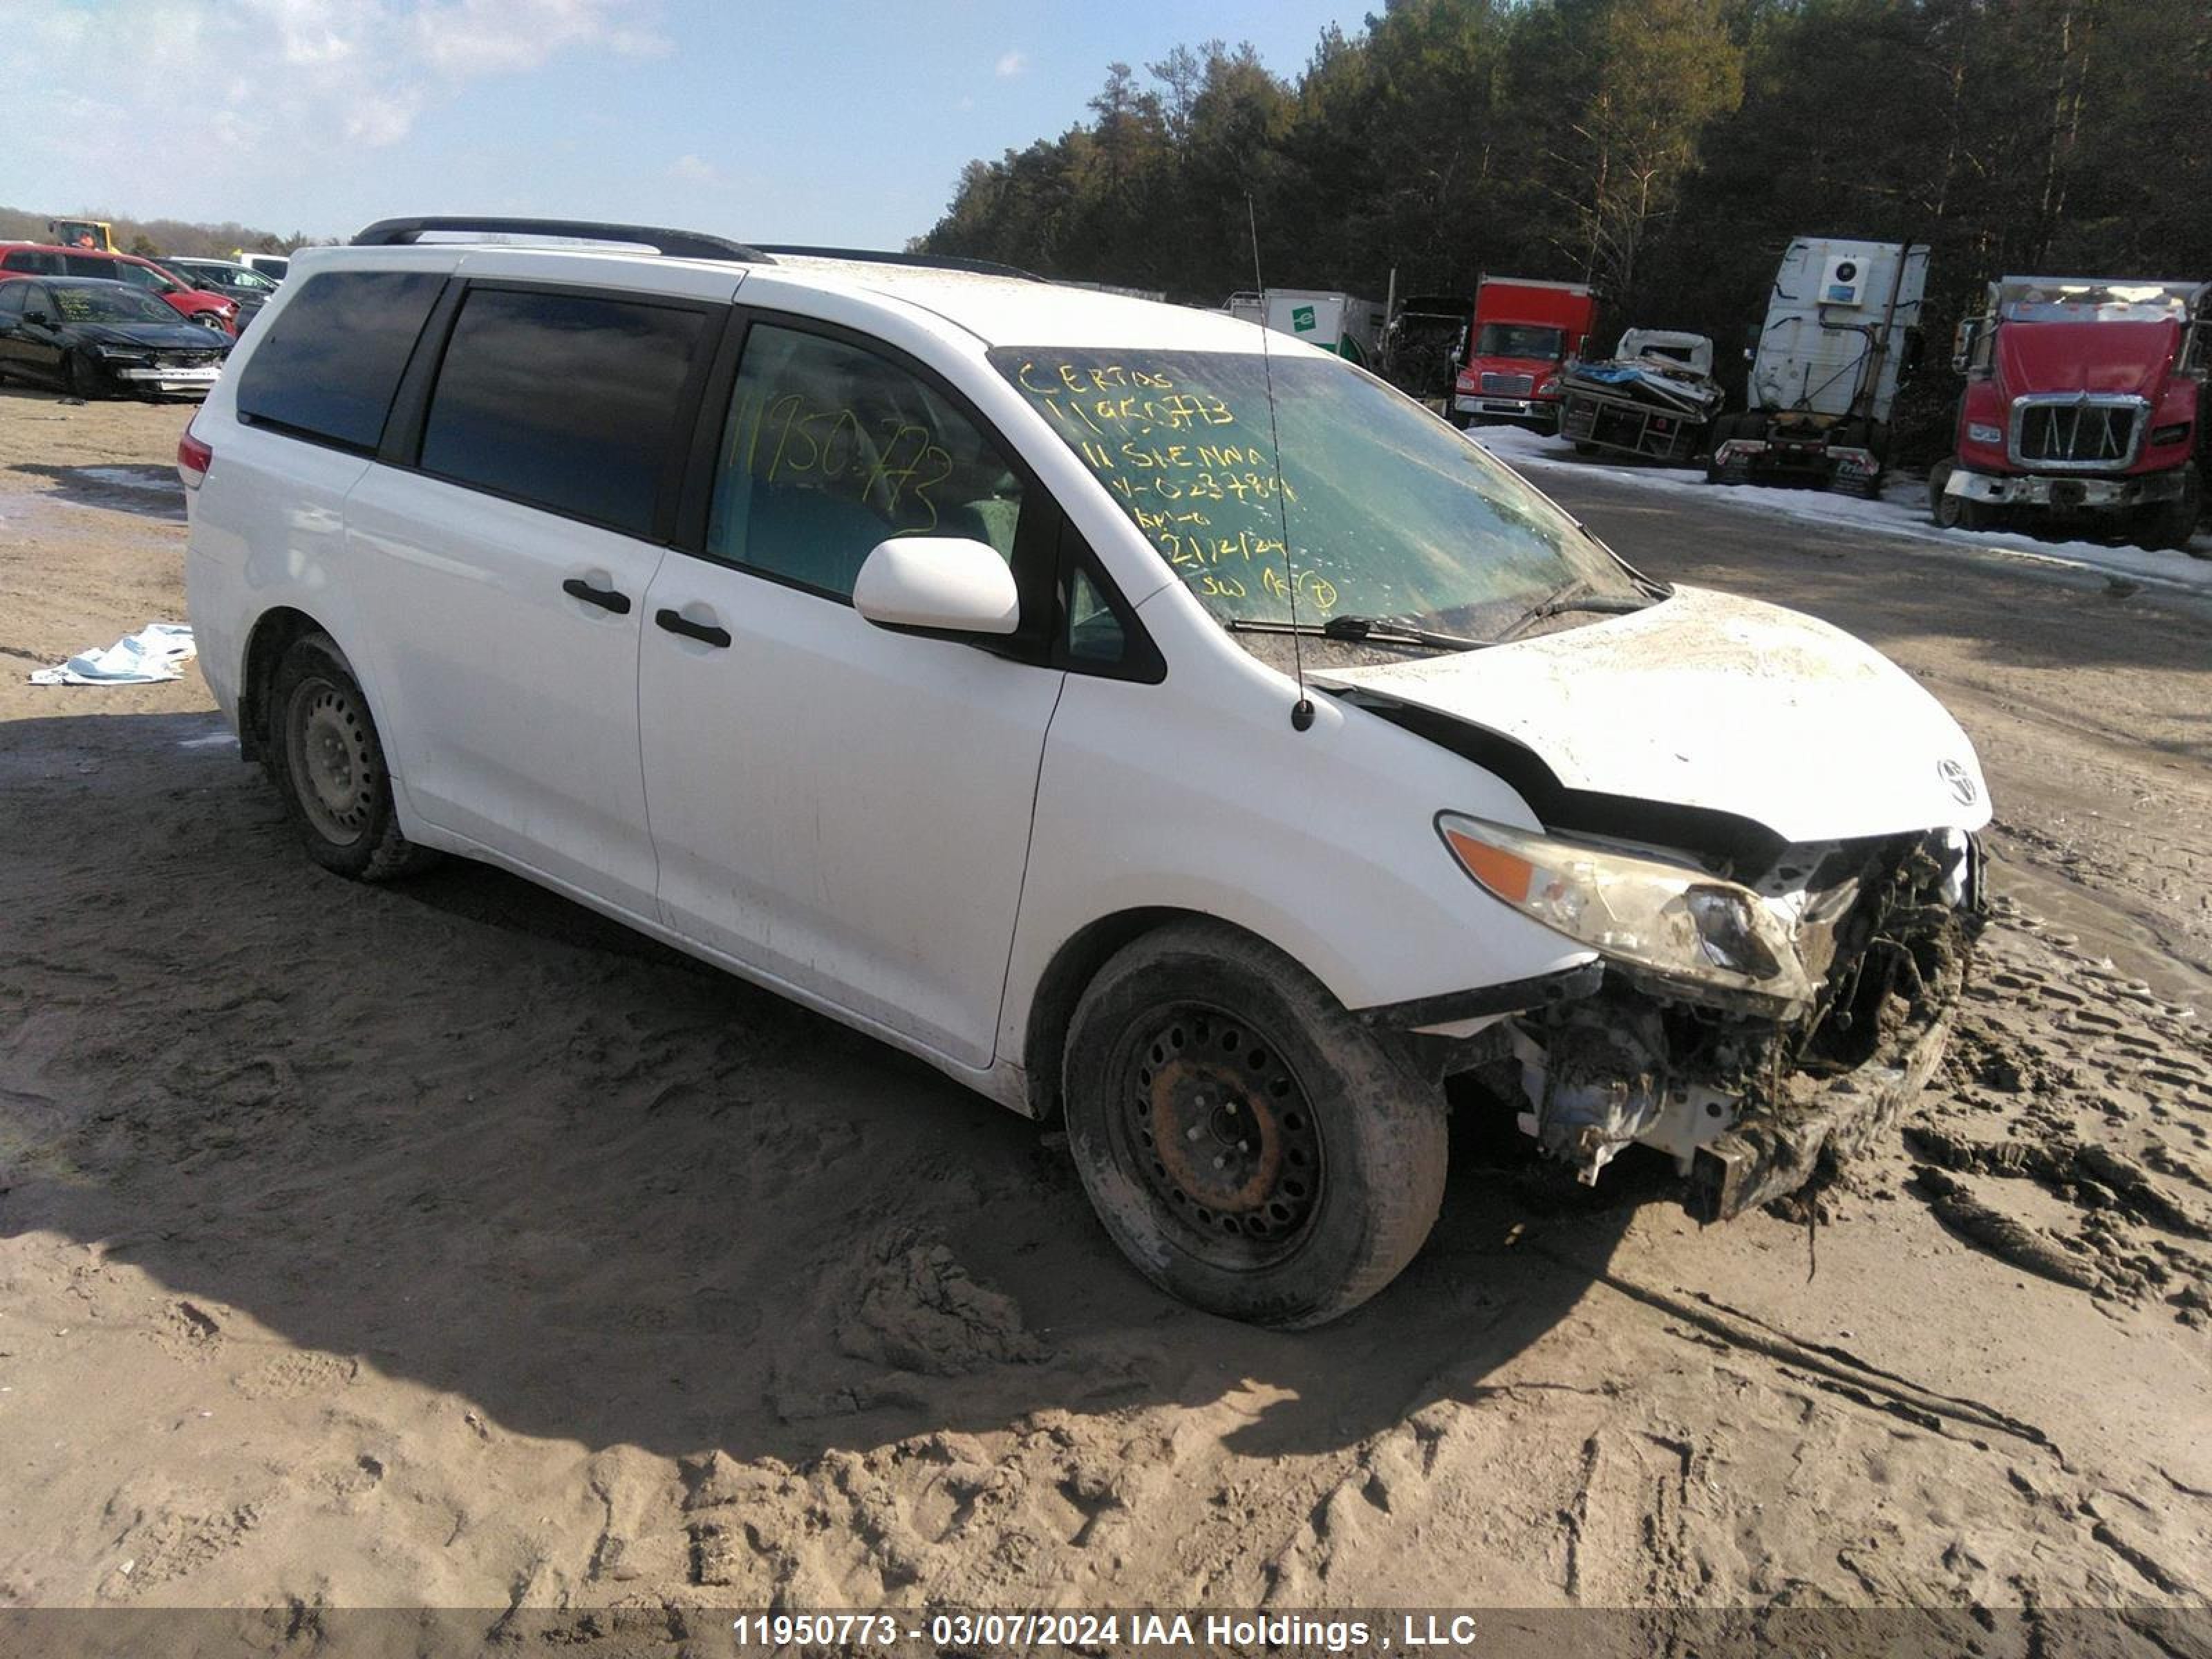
1390, 512
108, 302
1520, 340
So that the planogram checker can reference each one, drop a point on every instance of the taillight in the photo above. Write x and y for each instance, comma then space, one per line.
193, 459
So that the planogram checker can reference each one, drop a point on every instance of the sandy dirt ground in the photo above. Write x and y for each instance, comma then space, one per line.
444, 1244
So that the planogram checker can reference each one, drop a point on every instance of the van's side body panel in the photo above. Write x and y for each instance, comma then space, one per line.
511, 705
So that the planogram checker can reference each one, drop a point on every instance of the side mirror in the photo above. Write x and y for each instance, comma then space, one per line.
938, 585
1963, 342
40, 317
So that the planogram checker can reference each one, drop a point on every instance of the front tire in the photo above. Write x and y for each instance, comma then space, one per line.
328, 763
1248, 1143
84, 378
2171, 524
1954, 512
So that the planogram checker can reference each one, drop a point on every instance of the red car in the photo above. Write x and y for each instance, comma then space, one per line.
195, 304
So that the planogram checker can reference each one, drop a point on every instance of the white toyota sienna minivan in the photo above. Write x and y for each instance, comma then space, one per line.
1154, 724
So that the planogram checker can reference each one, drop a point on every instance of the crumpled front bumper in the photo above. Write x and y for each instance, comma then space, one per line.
1773, 1154
158, 378
1751, 1101
2041, 489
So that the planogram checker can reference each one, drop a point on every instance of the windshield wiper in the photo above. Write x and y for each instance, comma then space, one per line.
1576, 596
1360, 630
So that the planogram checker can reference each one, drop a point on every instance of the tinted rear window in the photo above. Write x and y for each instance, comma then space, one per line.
332, 358
563, 400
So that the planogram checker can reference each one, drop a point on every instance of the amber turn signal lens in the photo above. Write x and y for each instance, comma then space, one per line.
1503, 873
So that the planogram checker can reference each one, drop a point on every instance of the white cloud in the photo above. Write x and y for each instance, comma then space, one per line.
1013, 63
249, 87
469, 38
694, 170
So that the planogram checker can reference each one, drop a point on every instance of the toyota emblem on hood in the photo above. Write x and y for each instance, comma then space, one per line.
1960, 780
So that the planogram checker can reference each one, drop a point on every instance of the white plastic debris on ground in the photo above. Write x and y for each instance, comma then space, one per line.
156, 651
1902, 511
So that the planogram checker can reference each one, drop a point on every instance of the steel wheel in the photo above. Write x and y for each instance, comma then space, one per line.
332, 759
1221, 1134
1252, 1147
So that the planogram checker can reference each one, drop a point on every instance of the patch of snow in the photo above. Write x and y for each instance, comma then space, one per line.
1902, 511
160, 481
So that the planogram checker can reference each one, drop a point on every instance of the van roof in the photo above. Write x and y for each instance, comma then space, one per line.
1009, 309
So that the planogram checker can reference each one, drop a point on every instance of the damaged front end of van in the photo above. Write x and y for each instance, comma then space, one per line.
1763, 832
1754, 1029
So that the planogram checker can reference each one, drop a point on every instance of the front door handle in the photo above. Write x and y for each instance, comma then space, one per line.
605, 598
676, 622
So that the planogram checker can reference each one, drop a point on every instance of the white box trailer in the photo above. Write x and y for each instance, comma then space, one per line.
1842, 332
1343, 323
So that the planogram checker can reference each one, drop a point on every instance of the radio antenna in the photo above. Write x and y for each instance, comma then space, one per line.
1302, 711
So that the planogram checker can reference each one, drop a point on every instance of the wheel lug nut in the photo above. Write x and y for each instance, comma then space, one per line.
1191, 1133
1220, 1163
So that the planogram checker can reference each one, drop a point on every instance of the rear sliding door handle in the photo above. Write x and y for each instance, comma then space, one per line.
676, 622
605, 598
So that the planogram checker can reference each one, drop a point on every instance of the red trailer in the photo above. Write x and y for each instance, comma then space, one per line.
1526, 331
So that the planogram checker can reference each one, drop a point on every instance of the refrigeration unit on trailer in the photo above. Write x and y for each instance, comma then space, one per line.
2084, 400
1842, 333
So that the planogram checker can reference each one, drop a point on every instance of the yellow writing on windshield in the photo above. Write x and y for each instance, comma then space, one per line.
1210, 495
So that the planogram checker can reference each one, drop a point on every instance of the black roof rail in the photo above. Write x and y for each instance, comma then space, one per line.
669, 244
921, 261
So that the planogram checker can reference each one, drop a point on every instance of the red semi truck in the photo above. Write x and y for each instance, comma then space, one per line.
1525, 333
2085, 400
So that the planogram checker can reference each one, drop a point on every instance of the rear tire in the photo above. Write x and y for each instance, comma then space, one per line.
328, 764
1248, 1143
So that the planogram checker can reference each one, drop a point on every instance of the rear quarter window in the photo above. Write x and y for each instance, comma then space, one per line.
332, 358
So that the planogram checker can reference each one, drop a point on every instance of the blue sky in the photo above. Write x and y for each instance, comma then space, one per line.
826, 120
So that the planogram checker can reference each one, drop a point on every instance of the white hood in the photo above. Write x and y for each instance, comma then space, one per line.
1709, 701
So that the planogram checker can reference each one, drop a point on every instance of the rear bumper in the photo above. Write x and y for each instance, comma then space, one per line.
1630, 427
2040, 489
1746, 457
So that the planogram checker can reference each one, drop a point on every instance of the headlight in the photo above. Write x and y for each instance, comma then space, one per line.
1667, 917
1983, 433
124, 355
2162, 436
